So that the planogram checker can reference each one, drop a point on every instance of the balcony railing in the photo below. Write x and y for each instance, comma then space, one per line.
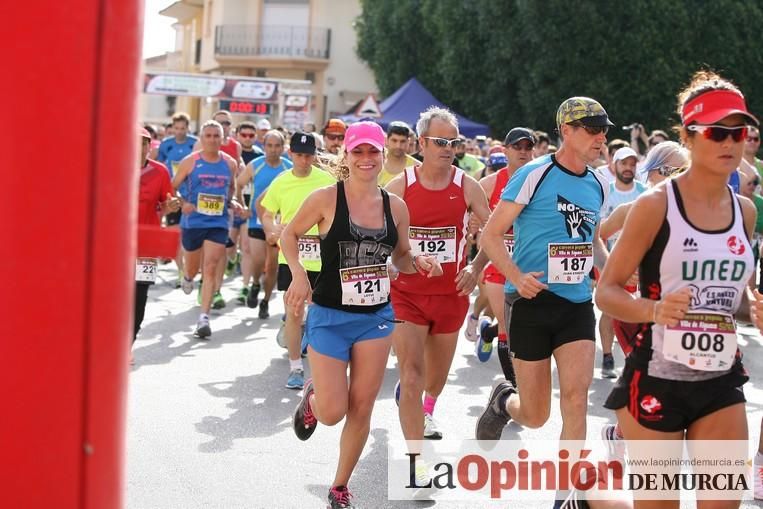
272, 41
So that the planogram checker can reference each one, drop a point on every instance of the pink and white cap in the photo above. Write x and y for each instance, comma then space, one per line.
364, 132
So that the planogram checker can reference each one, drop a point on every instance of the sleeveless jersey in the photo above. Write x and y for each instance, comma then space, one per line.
231, 148
553, 234
207, 187
714, 265
347, 246
501, 179
439, 220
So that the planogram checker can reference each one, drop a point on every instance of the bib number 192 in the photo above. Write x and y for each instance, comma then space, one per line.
432, 246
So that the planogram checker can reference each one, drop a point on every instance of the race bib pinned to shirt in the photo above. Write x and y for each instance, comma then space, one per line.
210, 204
365, 286
508, 241
309, 248
439, 242
145, 270
568, 263
702, 341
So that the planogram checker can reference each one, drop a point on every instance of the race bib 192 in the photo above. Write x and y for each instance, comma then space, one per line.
439, 242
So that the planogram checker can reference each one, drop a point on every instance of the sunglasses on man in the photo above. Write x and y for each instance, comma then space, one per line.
592, 130
719, 133
246, 135
443, 142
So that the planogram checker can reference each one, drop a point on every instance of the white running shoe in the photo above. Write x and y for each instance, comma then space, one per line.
431, 431
614, 443
471, 327
186, 285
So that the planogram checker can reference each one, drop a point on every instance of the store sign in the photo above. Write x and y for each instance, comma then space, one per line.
205, 85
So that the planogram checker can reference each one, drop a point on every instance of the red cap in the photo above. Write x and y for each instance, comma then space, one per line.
710, 107
144, 133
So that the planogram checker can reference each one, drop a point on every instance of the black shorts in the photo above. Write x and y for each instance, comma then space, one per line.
257, 233
539, 326
284, 277
672, 405
173, 218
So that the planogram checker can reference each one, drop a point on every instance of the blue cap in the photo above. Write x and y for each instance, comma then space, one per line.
498, 159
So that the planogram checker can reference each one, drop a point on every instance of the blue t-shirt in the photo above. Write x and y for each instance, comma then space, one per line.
560, 207
264, 174
171, 152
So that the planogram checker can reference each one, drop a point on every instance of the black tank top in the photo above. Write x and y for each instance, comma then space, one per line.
347, 245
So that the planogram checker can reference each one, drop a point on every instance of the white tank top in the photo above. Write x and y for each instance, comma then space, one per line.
714, 265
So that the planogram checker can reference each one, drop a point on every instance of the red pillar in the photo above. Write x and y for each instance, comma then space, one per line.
67, 244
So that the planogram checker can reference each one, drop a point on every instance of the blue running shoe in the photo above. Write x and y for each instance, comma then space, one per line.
483, 349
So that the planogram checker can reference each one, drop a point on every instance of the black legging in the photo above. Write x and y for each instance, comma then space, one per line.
141, 296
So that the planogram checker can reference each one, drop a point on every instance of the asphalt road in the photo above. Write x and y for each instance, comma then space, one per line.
209, 422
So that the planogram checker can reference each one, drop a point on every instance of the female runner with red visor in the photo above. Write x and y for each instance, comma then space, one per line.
687, 236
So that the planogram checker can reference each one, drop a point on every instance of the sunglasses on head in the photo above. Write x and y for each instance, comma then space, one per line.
719, 133
246, 135
592, 130
442, 142
667, 171
335, 136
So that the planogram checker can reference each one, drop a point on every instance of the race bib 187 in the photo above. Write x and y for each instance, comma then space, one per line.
569, 263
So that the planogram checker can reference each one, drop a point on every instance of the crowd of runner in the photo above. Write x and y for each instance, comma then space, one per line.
377, 239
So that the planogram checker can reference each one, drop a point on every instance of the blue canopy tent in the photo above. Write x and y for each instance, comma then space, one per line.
409, 101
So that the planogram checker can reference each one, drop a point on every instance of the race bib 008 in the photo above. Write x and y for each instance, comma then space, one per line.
702, 341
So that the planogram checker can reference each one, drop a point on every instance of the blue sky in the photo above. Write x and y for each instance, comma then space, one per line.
158, 35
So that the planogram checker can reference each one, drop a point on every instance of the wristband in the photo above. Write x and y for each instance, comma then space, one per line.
654, 311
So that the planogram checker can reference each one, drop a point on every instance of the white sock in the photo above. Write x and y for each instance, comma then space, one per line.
203, 316
297, 364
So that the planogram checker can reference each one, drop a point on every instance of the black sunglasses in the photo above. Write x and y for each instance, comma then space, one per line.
592, 130
719, 133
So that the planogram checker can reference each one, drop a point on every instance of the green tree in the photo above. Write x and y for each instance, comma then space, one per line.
512, 63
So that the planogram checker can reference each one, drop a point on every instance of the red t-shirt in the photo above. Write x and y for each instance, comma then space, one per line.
154, 186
